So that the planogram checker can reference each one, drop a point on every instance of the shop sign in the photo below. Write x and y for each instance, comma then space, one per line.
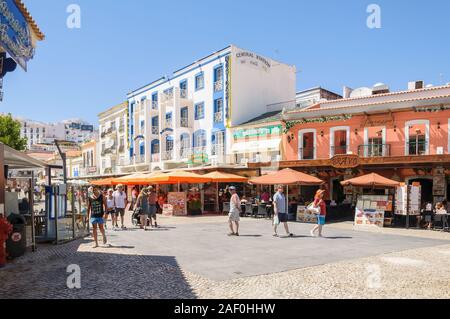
253, 60
378, 120
15, 37
273, 130
228, 91
345, 161
439, 185
92, 169
177, 201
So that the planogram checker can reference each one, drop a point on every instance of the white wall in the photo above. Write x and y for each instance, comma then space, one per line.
255, 86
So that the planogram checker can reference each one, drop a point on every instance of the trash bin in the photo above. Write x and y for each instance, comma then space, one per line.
16, 244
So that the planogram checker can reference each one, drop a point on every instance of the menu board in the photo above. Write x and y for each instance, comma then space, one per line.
304, 216
370, 210
408, 196
178, 203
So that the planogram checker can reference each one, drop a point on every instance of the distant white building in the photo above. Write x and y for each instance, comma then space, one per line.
40, 133
113, 139
185, 119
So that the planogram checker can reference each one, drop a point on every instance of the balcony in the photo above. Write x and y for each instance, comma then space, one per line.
139, 159
185, 153
155, 130
417, 148
155, 158
168, 124
183, 93
306, 153
218, 86
218, 117
217, 150
155, 105
167, 155
374, 150
107, 132
109, 150
184, 122
339, 150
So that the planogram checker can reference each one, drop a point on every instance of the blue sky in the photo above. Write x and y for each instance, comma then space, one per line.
123, 45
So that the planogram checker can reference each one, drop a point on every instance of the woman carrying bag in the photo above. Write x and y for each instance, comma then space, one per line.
319, 208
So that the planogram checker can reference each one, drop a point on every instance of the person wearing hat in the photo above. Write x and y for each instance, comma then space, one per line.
235, 211
280, 212
120, 202
319, 203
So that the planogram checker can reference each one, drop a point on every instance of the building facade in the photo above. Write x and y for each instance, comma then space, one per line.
401, 135
113, 141
89, 166
185, 120
39, 134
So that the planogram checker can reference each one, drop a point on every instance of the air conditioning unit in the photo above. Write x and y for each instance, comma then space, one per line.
440, 150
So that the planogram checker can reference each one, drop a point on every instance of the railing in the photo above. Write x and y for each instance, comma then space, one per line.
167, 96
417, 148
155, 130
108, 131
155, 105
167, 155
184, 122
218, 86
374, 150
183, 93
155, 158
306, 153
185, 152
217, 149
139, 159
109, 150
339, 150
218, 117
169, 123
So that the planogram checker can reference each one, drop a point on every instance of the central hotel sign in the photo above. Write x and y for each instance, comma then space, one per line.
253, 60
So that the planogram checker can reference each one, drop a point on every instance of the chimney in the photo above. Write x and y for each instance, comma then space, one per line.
415, 85
346, 92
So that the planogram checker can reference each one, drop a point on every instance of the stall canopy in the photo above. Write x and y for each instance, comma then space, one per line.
372, 180
18, 160
103, 182
287, 177
178, 177
221, 177
135, 179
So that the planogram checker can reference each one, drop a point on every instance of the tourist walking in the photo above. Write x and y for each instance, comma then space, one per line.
280, 212
153, 208
235, 211
143, 206
96, 211
121, 202
321, 216
110, 209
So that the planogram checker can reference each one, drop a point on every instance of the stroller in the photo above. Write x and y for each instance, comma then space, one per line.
136, 218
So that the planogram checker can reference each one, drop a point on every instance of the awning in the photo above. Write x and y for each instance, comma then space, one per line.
178, 177
257, 146
287, 177
18, 160
220, 177
372, 180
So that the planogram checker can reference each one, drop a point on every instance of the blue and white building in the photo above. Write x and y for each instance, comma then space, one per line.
184, 120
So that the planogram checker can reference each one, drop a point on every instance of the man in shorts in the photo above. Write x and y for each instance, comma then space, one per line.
120, 201
235, 210
280, 211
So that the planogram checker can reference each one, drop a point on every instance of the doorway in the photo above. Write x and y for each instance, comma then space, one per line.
427, 189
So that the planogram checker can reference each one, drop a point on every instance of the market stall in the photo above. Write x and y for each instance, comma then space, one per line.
373, 210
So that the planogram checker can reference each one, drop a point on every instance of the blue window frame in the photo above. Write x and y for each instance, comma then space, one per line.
142, 124
183, 89
218, 73
169, 116
142, 149
218, 106
199, 81
132, 130
200, 111
155, 121
131, 152
184, 112
155, 100
155, 147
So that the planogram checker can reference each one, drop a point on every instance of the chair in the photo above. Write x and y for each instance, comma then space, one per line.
262, 210
248, 210
226, 208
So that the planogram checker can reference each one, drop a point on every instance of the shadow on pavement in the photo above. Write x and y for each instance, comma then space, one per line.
104, 274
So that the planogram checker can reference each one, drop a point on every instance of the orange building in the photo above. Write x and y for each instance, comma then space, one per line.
402, 135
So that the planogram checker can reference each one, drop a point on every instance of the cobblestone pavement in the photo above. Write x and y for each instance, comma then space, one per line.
124, 271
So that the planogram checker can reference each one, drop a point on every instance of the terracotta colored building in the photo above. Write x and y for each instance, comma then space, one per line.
402, 135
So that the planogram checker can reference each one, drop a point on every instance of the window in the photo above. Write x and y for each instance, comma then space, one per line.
155, 101
169, 143
142, 149
218, 79
184, 117
142, 124
339, 140
183, 89
155, 147
113, 125
200, 111
307, 142
199, 81
417, 135
218, 111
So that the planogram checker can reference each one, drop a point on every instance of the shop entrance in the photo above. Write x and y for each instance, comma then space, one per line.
337, 191
427, 188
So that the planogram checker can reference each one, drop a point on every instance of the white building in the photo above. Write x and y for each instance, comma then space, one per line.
185, 119
113, 140
37, 132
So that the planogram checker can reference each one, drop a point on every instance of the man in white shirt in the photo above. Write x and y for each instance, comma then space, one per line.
121, 202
